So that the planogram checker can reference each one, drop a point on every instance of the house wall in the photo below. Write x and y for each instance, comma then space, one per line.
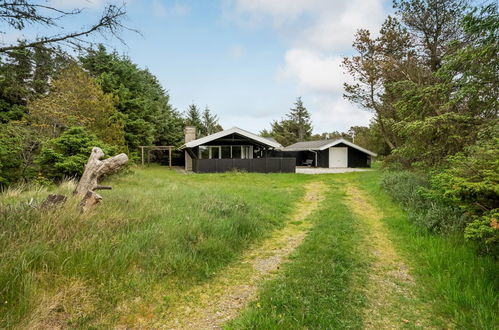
302, 156
323, 158
356, 158
259, 165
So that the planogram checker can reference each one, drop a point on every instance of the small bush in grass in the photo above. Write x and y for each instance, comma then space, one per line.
412, 190
405, 188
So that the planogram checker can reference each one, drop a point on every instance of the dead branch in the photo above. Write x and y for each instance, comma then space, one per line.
95, 169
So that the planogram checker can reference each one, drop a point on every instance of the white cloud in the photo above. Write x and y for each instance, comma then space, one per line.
314, 71
161, 9
337, 115
318, 32
236, 51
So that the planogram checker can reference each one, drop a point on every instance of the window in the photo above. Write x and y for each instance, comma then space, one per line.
215, 152
236, 152
204, 152
226, 152
246, 152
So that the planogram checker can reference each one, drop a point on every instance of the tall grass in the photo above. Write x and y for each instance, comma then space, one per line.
155, 229
460, 286
424, 210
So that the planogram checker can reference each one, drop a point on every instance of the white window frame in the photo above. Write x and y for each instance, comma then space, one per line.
241, 148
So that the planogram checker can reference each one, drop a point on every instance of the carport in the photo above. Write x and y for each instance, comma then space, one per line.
339, 153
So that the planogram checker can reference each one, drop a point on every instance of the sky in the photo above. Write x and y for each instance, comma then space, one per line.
247, 60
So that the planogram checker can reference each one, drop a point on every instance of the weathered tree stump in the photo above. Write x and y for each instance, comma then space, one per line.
53, 201
95, 169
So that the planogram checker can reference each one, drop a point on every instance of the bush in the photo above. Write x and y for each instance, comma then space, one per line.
19, 144
484, 231
412, 191
66, 155
405, 187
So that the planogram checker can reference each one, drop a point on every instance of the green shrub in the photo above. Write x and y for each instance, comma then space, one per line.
66, 155
19, 144
413, 192
405, 187
437, 217
470, 182
484, 231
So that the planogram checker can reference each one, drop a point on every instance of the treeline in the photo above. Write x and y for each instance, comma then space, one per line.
431, 79
54, 108
297, 126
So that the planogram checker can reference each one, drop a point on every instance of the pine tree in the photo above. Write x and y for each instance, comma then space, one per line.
149, 117
299, 121
297, 126
193, 118
210, 122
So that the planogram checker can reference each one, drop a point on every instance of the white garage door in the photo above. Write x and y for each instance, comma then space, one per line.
338, 157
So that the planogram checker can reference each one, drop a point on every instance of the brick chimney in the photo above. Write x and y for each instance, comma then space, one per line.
189, 135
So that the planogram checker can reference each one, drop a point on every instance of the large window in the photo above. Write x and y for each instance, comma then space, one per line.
204, 152
227, 152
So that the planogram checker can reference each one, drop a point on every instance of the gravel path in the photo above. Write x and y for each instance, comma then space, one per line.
323, 170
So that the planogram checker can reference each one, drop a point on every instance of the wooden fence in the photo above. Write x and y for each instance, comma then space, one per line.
259, 165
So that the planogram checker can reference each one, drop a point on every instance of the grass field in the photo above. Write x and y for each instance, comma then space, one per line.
159, 234
156, 231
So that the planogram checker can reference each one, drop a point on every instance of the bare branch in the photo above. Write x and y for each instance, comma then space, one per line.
17, 13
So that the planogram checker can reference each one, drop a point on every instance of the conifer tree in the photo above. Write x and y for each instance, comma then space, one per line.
299, 121
193, 118
210, 122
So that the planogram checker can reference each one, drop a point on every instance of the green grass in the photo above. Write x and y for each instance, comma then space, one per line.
156, 231
159, 232
462, 288
321, 286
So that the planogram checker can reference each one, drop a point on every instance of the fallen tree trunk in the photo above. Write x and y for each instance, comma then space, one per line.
95, 169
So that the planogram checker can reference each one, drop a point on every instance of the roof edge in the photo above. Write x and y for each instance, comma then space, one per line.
218, 135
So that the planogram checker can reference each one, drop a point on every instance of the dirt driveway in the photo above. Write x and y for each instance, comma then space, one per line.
324, 170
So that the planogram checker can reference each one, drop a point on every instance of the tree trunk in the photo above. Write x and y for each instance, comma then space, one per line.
94, 170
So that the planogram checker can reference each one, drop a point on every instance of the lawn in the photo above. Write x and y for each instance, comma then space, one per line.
326, 282
159, 234
156, 231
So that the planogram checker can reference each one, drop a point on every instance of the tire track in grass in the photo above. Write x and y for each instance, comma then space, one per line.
391, 303
210, 305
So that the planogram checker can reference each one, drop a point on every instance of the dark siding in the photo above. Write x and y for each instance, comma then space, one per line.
323, 158
261, 165
356, 158
302, 156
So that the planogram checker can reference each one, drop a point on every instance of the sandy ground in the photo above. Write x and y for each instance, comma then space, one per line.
324, 170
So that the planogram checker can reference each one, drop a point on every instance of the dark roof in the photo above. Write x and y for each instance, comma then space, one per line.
306, 145
324, 144
236, 130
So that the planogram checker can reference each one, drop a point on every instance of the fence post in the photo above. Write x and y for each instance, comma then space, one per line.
170, 157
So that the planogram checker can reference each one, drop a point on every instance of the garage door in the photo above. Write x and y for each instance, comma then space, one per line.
338, 157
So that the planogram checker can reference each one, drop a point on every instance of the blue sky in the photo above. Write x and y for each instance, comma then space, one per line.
247, 60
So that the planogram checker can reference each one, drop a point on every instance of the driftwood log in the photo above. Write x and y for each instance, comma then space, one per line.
95, 169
